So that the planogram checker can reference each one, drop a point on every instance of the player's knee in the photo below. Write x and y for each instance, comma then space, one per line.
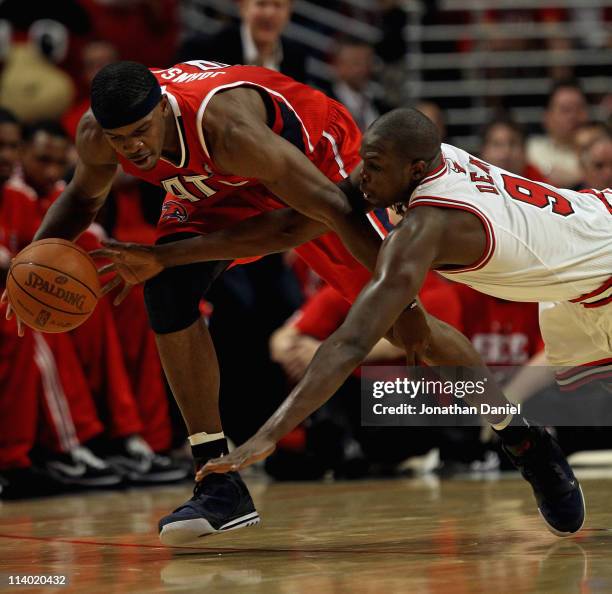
171, 306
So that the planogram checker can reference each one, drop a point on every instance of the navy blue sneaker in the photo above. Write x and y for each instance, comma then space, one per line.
220, 502
556, 489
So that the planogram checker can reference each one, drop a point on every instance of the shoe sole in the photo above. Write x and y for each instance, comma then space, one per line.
565, 534
190, 532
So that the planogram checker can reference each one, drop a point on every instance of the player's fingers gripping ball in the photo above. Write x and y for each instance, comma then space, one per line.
53, 285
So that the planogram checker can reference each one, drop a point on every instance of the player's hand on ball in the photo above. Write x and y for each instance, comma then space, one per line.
253, 450
132, 263
10, 313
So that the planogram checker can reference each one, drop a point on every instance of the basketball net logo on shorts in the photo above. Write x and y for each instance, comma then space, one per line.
44, 286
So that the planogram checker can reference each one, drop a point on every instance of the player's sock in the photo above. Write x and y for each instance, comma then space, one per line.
205, 446
515, 433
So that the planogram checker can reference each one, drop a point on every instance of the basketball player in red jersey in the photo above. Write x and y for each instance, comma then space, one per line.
226, 143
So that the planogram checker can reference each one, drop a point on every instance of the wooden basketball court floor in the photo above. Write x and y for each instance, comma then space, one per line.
418, 535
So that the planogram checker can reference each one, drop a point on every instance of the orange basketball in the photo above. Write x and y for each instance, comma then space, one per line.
53, 285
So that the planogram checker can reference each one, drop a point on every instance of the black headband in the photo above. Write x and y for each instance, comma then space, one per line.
121, 116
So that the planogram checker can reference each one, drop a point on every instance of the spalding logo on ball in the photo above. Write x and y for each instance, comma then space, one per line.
53, 285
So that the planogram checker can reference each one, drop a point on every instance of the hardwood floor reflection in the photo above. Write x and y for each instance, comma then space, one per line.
450, 537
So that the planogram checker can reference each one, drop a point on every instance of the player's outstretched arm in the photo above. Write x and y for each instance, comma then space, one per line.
398, 276
240, 142
83, 197
268, 233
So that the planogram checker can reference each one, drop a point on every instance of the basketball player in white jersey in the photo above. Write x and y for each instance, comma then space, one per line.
475, 223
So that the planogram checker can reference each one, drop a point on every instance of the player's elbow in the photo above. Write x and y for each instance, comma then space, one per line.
332, 208
338, 205
296, 228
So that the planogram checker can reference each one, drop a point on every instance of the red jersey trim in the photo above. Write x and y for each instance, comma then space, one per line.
586, 380
241, 83
581, 368
578, 376
599, 303
486, 223
176, 110
438, 172
378, 226
337, 156
598, 291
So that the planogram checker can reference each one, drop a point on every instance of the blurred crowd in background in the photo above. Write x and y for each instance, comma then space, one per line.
526, 88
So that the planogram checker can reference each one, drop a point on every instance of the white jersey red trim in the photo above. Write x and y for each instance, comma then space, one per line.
487, 225
437, 173
575, 377
543, 243
597, 298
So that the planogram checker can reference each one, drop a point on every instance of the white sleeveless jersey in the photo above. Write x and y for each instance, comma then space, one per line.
543, 243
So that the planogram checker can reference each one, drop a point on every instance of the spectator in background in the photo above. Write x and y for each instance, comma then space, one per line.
132, 405
145, 31
257, 40
587, 133
12, 237
554, 153
44, 160
96, 54
434, 112
503, 144
44, 399
596, 163
353, 86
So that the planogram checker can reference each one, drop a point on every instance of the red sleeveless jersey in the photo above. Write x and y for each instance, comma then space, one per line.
200, 199
295, 111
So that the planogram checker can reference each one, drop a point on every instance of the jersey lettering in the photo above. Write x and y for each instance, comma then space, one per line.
536, 194
484, 182
176, 187
487, 189
605, 200
482, 166
457, 168
178, 76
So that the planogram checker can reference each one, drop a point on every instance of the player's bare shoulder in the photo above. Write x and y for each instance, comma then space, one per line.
234, 111
458, 236
92, 146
